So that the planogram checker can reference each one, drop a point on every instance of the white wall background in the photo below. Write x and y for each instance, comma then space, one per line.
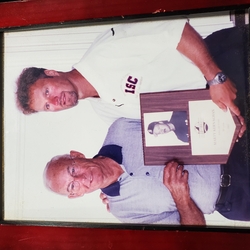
31, 141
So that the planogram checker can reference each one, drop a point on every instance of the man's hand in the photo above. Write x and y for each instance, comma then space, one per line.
105, 200
224, 95
175, 178
243, 126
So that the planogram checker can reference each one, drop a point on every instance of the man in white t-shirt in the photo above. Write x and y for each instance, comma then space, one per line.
122, 63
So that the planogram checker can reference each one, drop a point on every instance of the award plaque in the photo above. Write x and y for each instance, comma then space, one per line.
188, 126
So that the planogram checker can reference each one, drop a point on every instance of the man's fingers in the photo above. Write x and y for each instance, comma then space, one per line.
221, 106
174, 171
242, 120
179, 170
224, 95
234, 109
108, 208
182, 173
185, 175
104, 198
170, 165
169, 172
243, 126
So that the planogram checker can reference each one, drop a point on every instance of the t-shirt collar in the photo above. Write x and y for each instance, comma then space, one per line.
114, 152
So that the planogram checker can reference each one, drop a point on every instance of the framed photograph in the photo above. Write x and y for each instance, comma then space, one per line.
32, 140
186, 125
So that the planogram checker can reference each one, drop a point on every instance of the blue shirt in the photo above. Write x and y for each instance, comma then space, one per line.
143, 198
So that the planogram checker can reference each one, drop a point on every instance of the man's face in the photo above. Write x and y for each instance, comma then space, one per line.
161, 128
53, 94
77, 176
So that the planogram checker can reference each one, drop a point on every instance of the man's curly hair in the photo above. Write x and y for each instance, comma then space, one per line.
26, 79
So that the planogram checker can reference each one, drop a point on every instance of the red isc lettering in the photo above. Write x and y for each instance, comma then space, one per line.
130, 88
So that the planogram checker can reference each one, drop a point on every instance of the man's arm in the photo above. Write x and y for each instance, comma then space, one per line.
176, 180
193, 47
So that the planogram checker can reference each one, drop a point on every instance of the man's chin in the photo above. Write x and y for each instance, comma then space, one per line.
72, 105
75, 103
66, 107
74, 99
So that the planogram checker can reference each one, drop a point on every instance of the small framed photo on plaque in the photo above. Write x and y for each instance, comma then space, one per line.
188, 126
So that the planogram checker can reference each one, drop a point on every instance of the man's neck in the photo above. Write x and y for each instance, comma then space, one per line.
113, 170
85, 89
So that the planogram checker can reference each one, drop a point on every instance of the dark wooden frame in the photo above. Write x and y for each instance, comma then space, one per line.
156, 152
33, 12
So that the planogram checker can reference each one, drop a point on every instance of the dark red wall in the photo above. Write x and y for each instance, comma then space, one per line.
25, 13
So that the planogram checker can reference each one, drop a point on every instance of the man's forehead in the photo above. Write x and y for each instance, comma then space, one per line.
57, 167
60, 159
58, 177
36, 95
38, 84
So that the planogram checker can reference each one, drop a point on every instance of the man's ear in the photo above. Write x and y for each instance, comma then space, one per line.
51, 72
76, 154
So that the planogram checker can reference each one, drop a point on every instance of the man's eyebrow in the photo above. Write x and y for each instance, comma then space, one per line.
68, 187
44, 87
68, 170
43, 90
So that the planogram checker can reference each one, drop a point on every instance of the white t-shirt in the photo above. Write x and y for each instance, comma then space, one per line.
137, 58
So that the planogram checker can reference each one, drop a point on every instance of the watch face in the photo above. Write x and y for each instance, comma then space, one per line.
222, 78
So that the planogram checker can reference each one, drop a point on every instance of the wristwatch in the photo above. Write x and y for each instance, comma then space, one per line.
219, 78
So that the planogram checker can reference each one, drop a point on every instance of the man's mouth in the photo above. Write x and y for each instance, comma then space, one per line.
63, 99
68, 99
91, 178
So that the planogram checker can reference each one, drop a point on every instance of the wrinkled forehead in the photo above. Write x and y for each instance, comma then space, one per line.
58, 162
56, 172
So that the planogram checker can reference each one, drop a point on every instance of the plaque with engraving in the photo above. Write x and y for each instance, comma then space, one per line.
188, 126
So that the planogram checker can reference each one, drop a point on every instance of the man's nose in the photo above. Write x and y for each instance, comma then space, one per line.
54, 100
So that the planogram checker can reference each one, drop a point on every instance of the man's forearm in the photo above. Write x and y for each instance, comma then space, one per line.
190, 214
193, 47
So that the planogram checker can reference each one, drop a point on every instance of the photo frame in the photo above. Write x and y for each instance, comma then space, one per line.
23, 127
